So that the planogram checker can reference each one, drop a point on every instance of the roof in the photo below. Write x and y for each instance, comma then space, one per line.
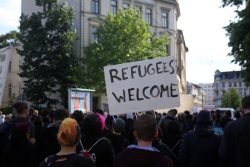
229, 74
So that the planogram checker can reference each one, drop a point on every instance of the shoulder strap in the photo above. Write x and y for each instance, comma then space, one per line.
95, 144
177, 143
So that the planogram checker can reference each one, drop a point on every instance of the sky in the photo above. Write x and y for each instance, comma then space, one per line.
201, 21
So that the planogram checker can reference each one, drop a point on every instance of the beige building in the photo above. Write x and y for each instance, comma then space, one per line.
161, 15
11, 82
199, 95
209, 89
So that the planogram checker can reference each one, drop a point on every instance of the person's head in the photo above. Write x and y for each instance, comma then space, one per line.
91, 125
8, 118
181, 118
237, 115
21, 108
78, 116
145, 128
187, 113
172, 112
245, 104
227, 114
36, 113
69, 133
99, 111
204, 118
61, 114
118, 125
31, 111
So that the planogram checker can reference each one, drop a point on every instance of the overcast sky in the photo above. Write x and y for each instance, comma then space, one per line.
202, 22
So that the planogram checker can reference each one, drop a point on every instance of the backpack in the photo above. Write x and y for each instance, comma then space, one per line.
86, 153
52, 161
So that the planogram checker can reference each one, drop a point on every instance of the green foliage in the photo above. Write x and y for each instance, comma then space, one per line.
8, 39
231, 99
232, 2
6, 110
239, 37
123, 37
49, 63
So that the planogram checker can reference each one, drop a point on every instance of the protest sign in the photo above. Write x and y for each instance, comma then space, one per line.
80, 99
142, 86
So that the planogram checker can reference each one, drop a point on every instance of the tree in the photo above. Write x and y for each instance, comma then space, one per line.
231, 98
8, 39
123, 37
239, 36
49, 64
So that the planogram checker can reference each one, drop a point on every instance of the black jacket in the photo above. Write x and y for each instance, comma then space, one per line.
200, 148
71, 160
235, 145
142, 158
20, 153
102, 153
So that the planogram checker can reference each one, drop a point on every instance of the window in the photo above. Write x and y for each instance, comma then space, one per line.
240, 84
235, 84
230, 84
164, 18
95, 6
148, 16
10, 89
113, 6
139, 9
223, 84
10, 64
93, 37
168, 50
125, 5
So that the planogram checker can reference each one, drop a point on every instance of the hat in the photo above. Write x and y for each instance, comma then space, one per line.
204, 117
118, 125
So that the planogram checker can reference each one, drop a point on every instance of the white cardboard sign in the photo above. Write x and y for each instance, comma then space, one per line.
142, 86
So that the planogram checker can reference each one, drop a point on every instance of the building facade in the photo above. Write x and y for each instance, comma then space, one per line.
199, 95
209, 89
161, 15
226, 80
11, 84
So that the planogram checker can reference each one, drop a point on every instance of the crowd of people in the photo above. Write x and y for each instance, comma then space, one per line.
56, 138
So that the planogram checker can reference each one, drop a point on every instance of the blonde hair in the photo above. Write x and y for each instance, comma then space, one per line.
68, 133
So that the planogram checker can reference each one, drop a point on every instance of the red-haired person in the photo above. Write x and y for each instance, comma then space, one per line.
68, 137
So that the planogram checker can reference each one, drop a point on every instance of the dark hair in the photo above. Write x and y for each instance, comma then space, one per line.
246, 102
31, 110
173, 112
78, 116
20, 107
99, 111
228, 113
145, 127
61, 114
91, 125
237, 114
204, 118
